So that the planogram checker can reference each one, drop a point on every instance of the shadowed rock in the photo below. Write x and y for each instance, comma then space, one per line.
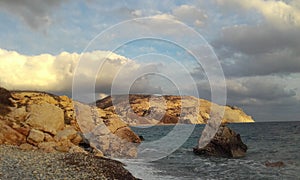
5, 97
5, 101
226, 143
274, 164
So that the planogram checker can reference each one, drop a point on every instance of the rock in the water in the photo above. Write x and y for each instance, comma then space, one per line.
274, 164
226, 143
142, 138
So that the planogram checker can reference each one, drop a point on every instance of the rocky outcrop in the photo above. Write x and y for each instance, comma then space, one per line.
38, 120
147, 109
226, 143
111, 136
274, 164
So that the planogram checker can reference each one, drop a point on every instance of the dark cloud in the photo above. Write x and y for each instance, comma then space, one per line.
260, 91
265, 92
261, 59
35, 13
265, 98
280, 62
273, 113
262, 38
263, 49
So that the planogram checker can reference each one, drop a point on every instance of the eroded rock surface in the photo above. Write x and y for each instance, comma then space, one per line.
46, 117
226, 143
38, 120
111, 136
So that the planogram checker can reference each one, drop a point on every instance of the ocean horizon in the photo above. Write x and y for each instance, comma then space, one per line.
266, 141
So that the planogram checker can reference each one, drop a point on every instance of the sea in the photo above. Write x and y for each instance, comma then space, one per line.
266, 141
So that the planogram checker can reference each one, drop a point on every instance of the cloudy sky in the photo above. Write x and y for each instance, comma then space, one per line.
170, 47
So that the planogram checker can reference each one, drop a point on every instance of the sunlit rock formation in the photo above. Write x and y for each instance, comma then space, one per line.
39, 120
147, 109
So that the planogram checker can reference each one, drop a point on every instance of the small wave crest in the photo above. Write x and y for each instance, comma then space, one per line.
144, 170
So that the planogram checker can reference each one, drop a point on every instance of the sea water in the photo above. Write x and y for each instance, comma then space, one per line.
266, 141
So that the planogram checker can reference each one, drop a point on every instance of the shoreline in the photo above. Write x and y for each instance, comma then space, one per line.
20, 164
150, 125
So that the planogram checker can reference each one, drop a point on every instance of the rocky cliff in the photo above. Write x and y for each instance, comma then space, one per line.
38, 120
147, 109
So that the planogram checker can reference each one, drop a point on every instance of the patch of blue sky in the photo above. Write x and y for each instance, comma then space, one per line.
11, 34
141, 47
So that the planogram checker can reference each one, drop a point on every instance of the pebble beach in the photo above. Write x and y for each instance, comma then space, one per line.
19, 164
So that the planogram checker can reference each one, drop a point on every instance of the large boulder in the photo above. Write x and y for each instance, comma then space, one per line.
226, 143
37, 120
111, 135
46, 117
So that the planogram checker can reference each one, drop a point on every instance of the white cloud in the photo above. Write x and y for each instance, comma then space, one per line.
189, 14
27, 72
55, 73
47, 72
279, 13
137, 13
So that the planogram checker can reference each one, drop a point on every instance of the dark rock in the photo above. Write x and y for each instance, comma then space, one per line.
5, 97
274, 164
226, 143
142, 138
5, 101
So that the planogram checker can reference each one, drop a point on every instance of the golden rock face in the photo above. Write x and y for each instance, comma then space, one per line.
39, 120
146, 109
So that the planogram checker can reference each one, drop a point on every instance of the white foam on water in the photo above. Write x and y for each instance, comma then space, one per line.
144, 170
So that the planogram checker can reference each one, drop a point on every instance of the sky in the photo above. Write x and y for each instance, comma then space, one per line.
244, 52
